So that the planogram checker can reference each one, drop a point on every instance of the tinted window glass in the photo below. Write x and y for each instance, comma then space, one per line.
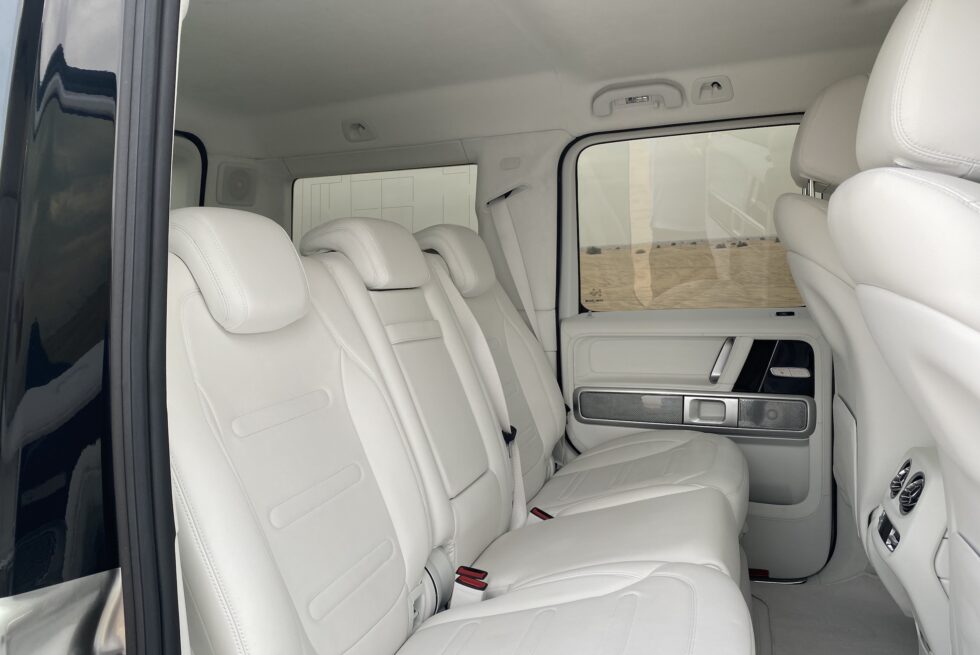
685, 221
56, 497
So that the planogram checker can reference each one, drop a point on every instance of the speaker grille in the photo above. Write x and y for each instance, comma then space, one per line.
770, 414
637, 407
236, 185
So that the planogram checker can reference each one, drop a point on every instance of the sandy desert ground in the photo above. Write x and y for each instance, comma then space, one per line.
690, 275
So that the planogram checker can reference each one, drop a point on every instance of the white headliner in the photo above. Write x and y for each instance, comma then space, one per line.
279, 76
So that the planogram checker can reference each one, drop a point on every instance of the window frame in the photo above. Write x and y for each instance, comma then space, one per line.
569, 279
203, 152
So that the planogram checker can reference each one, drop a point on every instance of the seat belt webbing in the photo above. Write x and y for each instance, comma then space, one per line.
503, 222
494, 387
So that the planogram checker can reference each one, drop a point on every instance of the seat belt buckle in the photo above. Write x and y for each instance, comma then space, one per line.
468, 590
470, 572
537, 515
509, 437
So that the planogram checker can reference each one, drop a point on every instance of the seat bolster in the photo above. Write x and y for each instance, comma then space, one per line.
801, 223
927, 221
630, 609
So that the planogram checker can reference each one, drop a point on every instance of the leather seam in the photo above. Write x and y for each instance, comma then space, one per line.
208, 558
904, 136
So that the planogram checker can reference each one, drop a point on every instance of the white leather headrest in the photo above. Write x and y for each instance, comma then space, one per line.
922, 103
825, 145
466, 256
384, 253
245, 265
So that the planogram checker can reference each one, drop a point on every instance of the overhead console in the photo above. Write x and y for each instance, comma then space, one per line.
907, 536
660, 94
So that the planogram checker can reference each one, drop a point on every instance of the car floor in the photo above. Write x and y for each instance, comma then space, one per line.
854, 616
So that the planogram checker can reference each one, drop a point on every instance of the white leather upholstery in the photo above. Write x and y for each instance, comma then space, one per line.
441, 398
305, 509
644, 465
299, 534
694, 528
379, 250
630, 608
920, 108
466, 257
247, 270
909, 240
874, 423
824, 151
918, 288
649, 465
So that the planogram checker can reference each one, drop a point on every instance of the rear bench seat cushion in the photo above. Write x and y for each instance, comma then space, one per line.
625, 609
647, 465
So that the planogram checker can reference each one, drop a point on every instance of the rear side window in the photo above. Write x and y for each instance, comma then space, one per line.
415, 198
685, 221
187, 172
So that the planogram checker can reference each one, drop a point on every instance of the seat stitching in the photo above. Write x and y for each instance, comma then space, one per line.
207, 263
391, 608
935, 154
213, 427
375, 571
213, 574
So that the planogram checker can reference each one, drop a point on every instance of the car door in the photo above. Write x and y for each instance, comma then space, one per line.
58, 548
679, 312
71, 441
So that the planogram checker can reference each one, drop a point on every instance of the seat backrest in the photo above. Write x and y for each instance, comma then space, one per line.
874, 424
534, 399
908, 233
301, 525
428, 365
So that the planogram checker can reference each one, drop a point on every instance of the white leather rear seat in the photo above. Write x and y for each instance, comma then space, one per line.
442, 401
628, 609
643, 465
303, 526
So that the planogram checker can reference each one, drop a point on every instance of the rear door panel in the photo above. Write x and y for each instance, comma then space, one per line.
672, 352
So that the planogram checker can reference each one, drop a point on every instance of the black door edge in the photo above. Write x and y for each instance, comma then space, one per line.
141, 204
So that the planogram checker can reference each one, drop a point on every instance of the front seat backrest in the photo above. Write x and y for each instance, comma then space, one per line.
908, 233
874, 425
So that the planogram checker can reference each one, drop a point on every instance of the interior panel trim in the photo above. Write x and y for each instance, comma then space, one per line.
792, 417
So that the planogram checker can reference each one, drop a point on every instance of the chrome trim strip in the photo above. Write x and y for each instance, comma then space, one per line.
730, 430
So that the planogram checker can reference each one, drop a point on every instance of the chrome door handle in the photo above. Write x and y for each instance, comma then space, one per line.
721, 360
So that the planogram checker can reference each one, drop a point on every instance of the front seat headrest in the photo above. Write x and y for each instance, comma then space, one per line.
824, 151
922, 103
245, 265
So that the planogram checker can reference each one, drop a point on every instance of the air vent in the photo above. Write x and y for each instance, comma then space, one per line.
896, 484
910, 494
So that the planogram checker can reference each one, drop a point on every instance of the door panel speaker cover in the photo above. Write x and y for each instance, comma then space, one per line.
770, 414
638, 407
